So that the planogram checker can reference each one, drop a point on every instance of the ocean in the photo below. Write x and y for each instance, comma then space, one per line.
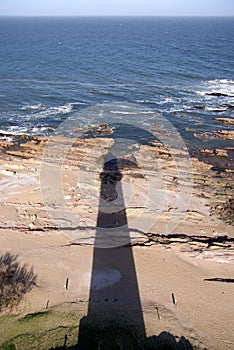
180, 67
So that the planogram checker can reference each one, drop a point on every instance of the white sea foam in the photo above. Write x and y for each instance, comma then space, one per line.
221, 81
166, 100
146, 101
133, 113
214, 109
170, 100
18, 130
34, 114
21, 130
40, 108
223, 86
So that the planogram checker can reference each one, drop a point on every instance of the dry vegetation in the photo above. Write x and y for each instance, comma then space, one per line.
15, 280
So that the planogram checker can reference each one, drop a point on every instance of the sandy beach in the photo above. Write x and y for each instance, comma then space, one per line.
185, 277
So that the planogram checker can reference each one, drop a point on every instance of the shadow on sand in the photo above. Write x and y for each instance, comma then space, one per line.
115, 319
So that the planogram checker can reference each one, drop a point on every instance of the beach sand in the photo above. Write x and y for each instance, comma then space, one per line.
199, 248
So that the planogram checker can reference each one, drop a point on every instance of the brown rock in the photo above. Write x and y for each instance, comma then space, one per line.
204, 134
220, 134
206, 152
28, 145
220, 152
227, 121
6, 144
101, 129
225, 134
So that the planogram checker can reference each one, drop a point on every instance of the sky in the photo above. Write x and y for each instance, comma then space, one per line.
117, 7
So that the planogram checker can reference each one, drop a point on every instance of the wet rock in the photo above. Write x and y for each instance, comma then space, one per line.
6, 144
104, 129
218, 94
225, 134
203, 134
227, 121
200, 107
29, 145
206, 152
225, 210
20, 154
220, 152
220, 134
205, 179
227, 105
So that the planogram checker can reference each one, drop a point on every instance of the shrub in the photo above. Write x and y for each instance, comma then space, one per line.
15, 280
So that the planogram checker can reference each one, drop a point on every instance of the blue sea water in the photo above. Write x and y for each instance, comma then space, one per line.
52, 67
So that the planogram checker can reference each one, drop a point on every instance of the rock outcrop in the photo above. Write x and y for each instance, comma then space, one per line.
24, 209
227, 121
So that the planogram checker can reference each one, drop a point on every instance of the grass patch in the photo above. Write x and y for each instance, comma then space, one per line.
40, 331
35, 315
58, 327
8, 347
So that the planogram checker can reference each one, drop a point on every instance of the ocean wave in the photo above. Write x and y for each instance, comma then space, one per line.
170, 100
159, 102
146, 101
24, 130
210, 88
49, 109
133, 113
216, 109
202, 93
62, 109
38, 106
221, 81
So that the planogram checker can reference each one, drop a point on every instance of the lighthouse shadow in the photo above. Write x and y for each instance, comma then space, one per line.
114, 320
163, 341
115, 317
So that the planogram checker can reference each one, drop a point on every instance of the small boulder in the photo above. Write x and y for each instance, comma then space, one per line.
206, 152
220, 152
6, 144
199, 107
218, 94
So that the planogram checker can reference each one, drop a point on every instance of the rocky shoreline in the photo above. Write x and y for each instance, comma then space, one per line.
198, 250
212, 187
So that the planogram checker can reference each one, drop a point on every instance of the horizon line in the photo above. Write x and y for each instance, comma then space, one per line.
108, 15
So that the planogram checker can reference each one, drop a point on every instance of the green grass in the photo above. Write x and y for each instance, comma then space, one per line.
57, 326
39, 331
8, 347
